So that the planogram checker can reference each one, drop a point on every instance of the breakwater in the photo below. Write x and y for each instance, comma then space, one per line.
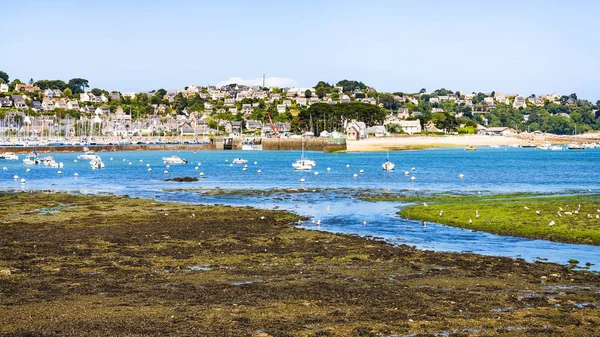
310, 144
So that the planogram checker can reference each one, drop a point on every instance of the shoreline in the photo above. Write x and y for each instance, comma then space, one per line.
373, 144
69, 261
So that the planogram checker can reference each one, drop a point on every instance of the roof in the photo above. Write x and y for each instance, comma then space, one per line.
414, 123
497, 129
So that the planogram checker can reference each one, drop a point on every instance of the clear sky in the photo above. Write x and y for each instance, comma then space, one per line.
509, 46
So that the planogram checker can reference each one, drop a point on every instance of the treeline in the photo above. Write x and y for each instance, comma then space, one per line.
322, 116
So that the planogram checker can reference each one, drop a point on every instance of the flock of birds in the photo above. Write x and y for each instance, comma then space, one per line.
539, 212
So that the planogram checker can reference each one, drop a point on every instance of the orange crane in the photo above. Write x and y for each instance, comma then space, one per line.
275, 132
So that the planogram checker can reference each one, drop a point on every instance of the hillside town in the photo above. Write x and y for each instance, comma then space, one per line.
348, 109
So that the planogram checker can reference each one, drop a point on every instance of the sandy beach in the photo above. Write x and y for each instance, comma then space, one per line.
422, 142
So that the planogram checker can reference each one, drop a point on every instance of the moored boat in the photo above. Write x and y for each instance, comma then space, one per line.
49, 161
240, 161
31, 159
96, 163
89, 155
575, 146
174, 160
470, 148
9, 156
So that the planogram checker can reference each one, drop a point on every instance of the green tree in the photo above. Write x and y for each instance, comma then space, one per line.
160, 93
307, 93
179, 102
4, 77
321, 92
67, 92
388, 101
97, 92
422, 91
14, 83
78, 85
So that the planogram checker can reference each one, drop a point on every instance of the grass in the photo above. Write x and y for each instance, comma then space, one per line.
516, 215
106, 266
404, 196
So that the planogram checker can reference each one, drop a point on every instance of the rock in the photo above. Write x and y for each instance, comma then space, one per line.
5, 272
182, 179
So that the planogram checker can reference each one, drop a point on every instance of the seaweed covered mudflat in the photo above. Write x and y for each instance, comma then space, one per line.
104, 266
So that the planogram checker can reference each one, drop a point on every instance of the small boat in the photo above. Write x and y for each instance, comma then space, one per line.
575, 146
89, 155
174, 160
49, 161
31, 159
9, 156
470, 148
556, 148
528, 145
545, 146
388, 165
251, 145
494, 146
96, 163
240, 161
302, 165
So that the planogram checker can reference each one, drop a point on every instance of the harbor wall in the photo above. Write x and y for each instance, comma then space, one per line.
310, 144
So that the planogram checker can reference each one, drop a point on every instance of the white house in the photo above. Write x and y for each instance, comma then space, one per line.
356, 131
345, 99
519, 102
411, 127
3, 87
281, 108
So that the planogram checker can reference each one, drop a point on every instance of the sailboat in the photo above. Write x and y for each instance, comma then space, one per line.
303, 164
388, 165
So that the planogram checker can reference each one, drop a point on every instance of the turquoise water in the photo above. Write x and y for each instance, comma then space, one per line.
487, 170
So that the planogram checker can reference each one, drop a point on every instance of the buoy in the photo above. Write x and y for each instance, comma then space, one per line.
168, 166
110, 158
461, 176
246, 165
255, 163
362, 171
166, 172
230, 165
28, 170
259, 171
413, 178
413, 169
348, 166
75, 160
76, 175
141, 160
59, 172
302, 180
196, 168
244, 169
202, 174
227, 160
328, 169
22, 181
147, 165
16, 177
149, 170
124, 159
130, 164
406, 173
355, 175
316, 173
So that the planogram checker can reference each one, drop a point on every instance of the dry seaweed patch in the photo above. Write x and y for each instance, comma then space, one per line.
117, 266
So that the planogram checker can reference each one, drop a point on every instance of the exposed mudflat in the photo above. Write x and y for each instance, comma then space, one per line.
104, 266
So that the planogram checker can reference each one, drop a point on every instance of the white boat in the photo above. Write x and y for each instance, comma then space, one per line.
31, 159
89, 155
240, 161
250, 145
9, 156
49, 161
494, 146
303, 164
545, 146
174, 160
388, 165
556, 148
575, 146
96, 163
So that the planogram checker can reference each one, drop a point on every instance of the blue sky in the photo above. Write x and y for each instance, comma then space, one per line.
510, 46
